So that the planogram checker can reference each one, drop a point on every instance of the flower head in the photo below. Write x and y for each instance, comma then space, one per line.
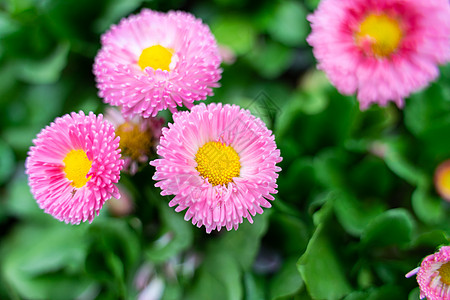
433, 275
220, 163
138, 137
153, 61
442, 180
382, 49
73, 166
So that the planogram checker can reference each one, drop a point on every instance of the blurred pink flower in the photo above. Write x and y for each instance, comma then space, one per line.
73, 166
433, 275
138, 137
220, 163
382, 49
153, 61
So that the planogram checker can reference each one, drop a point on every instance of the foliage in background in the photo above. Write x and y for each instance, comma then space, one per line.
356, 208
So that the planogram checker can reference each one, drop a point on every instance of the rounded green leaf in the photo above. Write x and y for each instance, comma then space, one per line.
289, 25
393, 227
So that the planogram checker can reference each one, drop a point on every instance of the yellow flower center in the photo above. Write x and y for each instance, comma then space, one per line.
382, 32
134, 142
217, 162
76, 167
156, 57
444, 272
443, 181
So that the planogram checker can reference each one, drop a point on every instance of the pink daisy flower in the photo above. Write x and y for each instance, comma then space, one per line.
433, 275
138, 137
220, 163
382, 49
153, 61
73, 166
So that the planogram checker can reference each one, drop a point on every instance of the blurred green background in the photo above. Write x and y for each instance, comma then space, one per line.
356, 207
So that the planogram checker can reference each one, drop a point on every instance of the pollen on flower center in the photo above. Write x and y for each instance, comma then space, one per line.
217, 162
381, 33
444, 272
134, 142
157, 57
76, 167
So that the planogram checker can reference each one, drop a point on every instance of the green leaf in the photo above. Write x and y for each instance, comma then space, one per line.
386, 292
425, 112
220, 276
7, 25
320, 266
6, 162
329, 166
38, 261
254, 287
21, 203
114, 11
429, 209
175, 237
270, 59
114, 248
355, 214
393, 227
356, 295
414, 294
310, 103
243, 244
288, 232
44, 71
393, 154
235, 32
289, 24
431, 239
287, 282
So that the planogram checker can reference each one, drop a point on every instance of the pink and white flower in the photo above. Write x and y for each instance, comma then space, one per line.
73, 167
383, 50
433, 275
153, 61
220, 163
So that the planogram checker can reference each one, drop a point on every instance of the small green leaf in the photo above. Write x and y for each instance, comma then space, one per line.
271, 59
393, 154
39, 260
6, 162
175, 237
254, 287
243, 244
355, 214
235, 32
114, 11
220, 276
287, 282
289, 24
386, 292
431, 239
393, 227
429, 209
414, 294
320, 266
44, 71
356, 295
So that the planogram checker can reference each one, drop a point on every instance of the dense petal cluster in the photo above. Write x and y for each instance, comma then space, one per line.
153, 61
73, 167
216, 141
433, 275
383, 50
138, 137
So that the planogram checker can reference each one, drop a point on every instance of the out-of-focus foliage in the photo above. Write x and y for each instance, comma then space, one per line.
356, 207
